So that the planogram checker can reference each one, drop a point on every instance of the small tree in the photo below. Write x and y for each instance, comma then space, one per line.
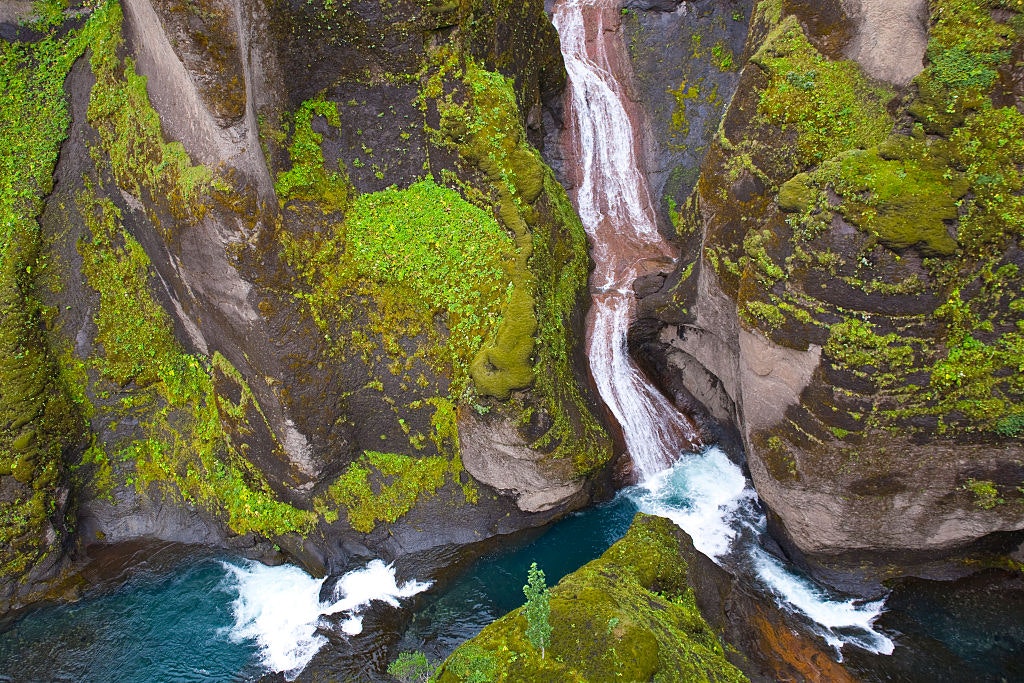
411, 667
537, 609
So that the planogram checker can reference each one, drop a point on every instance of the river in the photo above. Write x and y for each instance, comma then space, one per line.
202, 617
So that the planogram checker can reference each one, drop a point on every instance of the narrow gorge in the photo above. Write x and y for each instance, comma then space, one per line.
324, 319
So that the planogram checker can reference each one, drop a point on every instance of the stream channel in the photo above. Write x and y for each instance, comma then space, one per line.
187, 615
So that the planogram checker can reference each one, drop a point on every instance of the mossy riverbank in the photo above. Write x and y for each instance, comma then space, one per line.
629, 615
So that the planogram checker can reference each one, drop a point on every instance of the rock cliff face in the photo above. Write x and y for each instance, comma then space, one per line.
304, 277
851, 301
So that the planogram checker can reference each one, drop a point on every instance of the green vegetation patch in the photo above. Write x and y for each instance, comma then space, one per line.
966, 46
829, 104
308, 179
986, 495
183, 449
480, 119
630, 615
487, 131
382, 487
129, 129
903, 202
39, 419
418, 252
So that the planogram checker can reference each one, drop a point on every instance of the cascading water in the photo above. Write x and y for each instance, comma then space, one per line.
614, 203
705, 493
279, 608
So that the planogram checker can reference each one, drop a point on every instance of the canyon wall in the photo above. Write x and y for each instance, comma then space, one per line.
851, 296
303, 284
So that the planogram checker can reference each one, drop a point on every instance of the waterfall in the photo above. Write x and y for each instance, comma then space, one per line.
614, 203
704, 493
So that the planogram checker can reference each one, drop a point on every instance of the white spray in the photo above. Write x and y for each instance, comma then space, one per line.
279, 608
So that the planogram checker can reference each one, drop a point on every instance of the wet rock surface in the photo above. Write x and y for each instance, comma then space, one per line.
280, 410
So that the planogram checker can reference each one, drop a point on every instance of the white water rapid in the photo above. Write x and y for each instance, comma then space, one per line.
279, 608
704, 493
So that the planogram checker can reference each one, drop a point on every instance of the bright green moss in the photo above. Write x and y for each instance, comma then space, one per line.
419, 252
797, 194
382, 487
630, 615
902, 202
829, 104
39, 421
761, 314
488, 132
854, 343
990, 149
183, 450
479, 118
129, 129
965, 46
133, 329
506, 364
986, 495
308, 180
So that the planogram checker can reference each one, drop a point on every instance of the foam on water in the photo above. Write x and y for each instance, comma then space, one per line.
702, 494
279, 608
840, 621
707, 495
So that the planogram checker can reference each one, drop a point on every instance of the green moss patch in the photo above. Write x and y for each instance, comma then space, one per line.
966, 46
183, 450
630, 615
898, 242
308, 179
382, 487
39, 419
129, 128
902, 202
829, 104
418, 252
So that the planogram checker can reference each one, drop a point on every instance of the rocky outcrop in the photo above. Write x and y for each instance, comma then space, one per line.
303, 247
848, 301
628, 615
636, 599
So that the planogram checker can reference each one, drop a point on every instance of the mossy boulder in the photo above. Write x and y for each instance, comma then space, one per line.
629, 615
797, 193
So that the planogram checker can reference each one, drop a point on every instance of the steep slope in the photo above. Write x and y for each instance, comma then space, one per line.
308, 280
854, 308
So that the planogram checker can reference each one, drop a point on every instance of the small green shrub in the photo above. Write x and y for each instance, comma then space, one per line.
986, 495
411, 667
537, 609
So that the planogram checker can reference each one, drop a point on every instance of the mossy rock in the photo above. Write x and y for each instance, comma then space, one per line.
527, 174
505, 365
797, 194
905, 203
629, 615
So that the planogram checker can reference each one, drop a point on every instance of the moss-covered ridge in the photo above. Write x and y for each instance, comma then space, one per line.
629, 615
39, 422
461, 284
887, 233
946, 183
